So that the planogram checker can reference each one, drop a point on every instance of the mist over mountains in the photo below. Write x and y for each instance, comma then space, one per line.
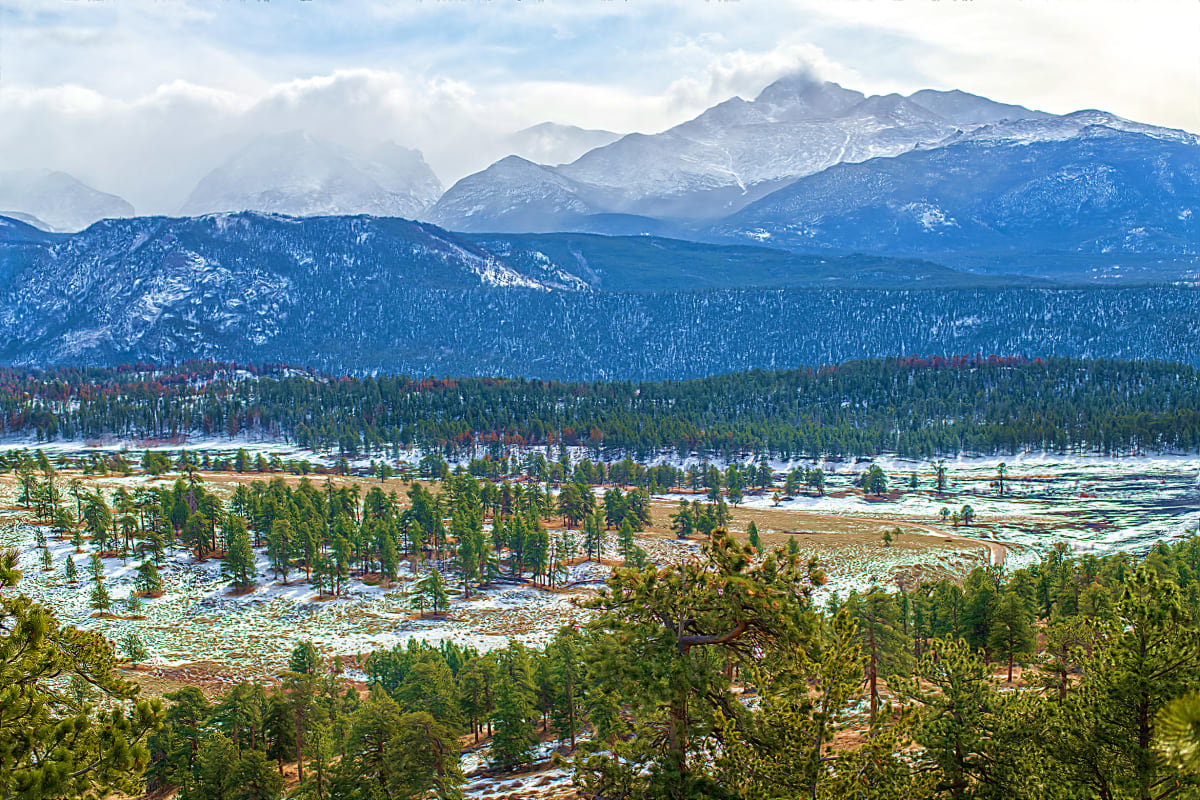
806, 165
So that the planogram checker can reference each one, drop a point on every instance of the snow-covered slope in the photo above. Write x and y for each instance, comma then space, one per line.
733, 154
514, 195
794, 143
28, 219
56, 200
552, 143
299, 175
962, 108
1068, 185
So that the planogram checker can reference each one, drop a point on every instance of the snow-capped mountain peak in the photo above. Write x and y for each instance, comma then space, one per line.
801, 97
739, 151
298, 174
56, 200
552, 143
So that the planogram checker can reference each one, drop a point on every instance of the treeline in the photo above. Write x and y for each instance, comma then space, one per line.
912, 407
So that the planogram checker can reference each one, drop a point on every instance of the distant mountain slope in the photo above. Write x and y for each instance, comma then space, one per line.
300, 175
1016, 187
552, 143
654, 264
158, 287
57, 200
513, 195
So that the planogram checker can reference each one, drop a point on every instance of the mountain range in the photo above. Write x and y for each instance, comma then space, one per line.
807, 166
814, 167
732, 154
364, 294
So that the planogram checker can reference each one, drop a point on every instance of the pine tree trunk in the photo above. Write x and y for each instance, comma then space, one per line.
872, 675
299, 749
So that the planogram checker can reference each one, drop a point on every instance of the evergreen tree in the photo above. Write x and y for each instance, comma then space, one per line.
884, 644
305, 659
1103, 736
133, 649
148, 581
238, 564
425, 755
752, 536
100, 598
513, 737
431, 590
53, 745
1012, 634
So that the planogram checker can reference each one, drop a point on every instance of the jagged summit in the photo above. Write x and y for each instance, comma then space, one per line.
802, 97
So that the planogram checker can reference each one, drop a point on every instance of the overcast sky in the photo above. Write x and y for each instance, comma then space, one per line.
142, 97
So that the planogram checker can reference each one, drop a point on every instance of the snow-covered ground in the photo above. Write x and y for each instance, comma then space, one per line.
1094, 504
198, 619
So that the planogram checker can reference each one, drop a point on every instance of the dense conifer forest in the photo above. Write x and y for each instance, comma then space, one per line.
913, 407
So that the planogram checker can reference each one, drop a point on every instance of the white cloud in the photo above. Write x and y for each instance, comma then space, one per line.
745, 74
142, 98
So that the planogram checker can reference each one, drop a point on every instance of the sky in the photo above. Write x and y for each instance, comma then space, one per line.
143, 97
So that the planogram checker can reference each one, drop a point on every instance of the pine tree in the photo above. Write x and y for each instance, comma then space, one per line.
565, 662
513, 737
374, 725
431, 589
1012, 634
279, 546
884, 644
1103, 736
238, 564
1179, 733
666, 642
960, 706
255, 778
625, 540
148, 581
133, 649
100, 598
55, 746
752, 535
425, 755
594, 535
96, 567
305, 659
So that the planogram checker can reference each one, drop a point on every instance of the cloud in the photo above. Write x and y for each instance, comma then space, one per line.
142, 98
745, 74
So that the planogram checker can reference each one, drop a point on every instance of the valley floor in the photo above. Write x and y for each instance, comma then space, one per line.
200, 633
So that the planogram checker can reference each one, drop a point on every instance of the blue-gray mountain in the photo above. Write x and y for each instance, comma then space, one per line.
359, 294
1101, 191
815, 167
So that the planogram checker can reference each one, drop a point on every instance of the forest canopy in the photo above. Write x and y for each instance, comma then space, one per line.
912, 407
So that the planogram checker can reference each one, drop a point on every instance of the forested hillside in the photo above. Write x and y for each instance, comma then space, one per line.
916, 407
362, 295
